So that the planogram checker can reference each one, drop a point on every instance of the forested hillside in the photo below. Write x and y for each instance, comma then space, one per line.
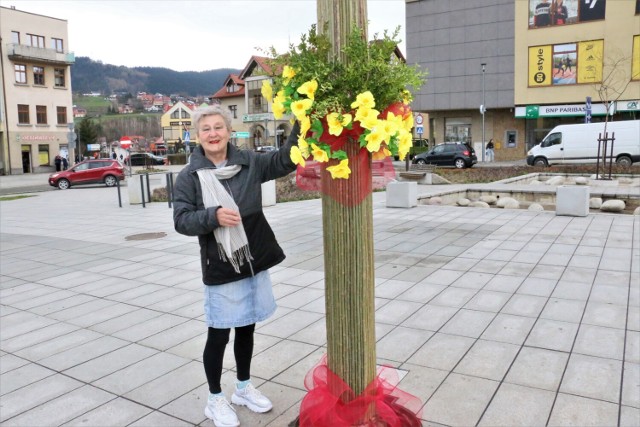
88, 75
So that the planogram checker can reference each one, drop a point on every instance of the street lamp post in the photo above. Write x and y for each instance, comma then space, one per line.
483, 109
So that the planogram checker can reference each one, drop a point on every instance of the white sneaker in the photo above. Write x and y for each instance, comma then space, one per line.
221, 412
252, 399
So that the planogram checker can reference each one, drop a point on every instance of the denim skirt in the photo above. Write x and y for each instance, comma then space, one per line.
239, 303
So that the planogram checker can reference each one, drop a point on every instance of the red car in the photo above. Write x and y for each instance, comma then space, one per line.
89, 172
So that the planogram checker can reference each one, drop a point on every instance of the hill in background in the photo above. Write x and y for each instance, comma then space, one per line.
88, 75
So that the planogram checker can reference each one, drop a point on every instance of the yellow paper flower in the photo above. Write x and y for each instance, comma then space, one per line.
296, 156
319, 155
408, 122
341, 170
303, 146
278, 109
365, 100
368, 117
404, 143
374, 139
391, 117
305, 125
309, 89
381, 154
407, 97
299, 108
288, 73
388, 127
267, 90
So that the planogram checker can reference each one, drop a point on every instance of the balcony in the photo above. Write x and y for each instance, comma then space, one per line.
19, 52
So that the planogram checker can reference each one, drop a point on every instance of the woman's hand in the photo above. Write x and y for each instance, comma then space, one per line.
228, 217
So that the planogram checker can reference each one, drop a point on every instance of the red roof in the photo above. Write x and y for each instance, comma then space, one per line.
224, 93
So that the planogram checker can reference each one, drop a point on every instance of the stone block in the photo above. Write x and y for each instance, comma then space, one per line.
269, 193
572, 200
402, 194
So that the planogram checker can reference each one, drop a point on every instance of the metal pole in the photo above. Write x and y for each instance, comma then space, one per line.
483, 109
142, 190
119, 196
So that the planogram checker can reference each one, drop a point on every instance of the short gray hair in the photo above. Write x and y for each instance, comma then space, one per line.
211, 110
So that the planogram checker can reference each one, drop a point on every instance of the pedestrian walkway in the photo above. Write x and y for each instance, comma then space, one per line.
493, 317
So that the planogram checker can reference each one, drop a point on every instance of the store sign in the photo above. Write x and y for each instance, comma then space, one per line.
35, 137
535, 111
628, 105
240, 135
256, 117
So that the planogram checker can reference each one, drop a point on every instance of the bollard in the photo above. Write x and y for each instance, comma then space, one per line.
148, 187
169, 188
142, 191
119, 196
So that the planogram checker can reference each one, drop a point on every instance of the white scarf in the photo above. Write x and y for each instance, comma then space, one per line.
233, 244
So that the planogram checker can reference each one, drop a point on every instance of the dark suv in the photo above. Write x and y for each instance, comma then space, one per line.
448, 154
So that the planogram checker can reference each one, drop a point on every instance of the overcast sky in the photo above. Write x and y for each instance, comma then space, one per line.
192, 35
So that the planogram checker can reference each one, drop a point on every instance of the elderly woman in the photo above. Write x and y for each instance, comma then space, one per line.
218, 198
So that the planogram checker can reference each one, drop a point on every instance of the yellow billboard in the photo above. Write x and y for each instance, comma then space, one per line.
635, 59
540, 66
590, 61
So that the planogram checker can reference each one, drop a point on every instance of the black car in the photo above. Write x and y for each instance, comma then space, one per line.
146, 159
448, 154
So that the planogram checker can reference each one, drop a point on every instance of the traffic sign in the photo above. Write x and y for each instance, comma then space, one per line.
419, 130
419, 119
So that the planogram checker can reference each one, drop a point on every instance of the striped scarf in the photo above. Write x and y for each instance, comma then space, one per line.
233, 245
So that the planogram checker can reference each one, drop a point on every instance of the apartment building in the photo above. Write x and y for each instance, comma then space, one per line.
35, 66
528, 64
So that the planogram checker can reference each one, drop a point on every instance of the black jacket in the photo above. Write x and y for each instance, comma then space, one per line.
191, 218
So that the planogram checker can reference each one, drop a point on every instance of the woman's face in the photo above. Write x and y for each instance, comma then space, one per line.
214, 137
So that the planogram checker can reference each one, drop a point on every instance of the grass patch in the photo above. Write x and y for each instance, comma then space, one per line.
21, 196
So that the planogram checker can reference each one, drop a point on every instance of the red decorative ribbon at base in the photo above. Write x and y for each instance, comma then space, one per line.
308, 178
323, 406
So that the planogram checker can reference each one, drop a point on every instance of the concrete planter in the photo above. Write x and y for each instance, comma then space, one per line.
269, 193
402, 194
572, 200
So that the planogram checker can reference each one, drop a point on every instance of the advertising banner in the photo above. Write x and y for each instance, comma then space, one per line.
590, 64
540, 66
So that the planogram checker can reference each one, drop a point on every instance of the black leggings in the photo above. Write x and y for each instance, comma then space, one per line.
217, 340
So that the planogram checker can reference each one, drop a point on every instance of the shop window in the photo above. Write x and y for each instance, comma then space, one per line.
43, 154
59, 74
38, 76
21, 73
41, 114
61, 113
23, 114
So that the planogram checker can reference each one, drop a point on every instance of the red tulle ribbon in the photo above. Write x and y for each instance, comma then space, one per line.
324, 405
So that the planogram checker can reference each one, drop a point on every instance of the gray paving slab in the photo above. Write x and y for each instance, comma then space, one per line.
494, 317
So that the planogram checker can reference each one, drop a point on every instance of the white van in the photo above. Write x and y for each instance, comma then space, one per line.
579, 144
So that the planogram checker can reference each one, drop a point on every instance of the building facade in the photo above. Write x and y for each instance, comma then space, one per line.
35, 64
483, 56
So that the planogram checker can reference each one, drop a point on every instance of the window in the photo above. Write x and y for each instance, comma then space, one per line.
43, 154
175, 114
23, 114
234, 111
41, 114
57, 45
15, 37
21, 73
38, 76
61, 112
59, 77
35, 41
257, 100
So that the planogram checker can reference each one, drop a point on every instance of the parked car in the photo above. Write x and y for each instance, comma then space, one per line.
448, 154
108, 171
265, 148
146, 159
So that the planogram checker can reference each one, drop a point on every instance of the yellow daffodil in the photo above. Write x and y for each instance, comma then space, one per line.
309, 89
341, 170
267, 90
391, 117
296, 156
381, 154
365, 100
305, 125
374, 139
319, 155
303, 146
299, 108
288, 73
